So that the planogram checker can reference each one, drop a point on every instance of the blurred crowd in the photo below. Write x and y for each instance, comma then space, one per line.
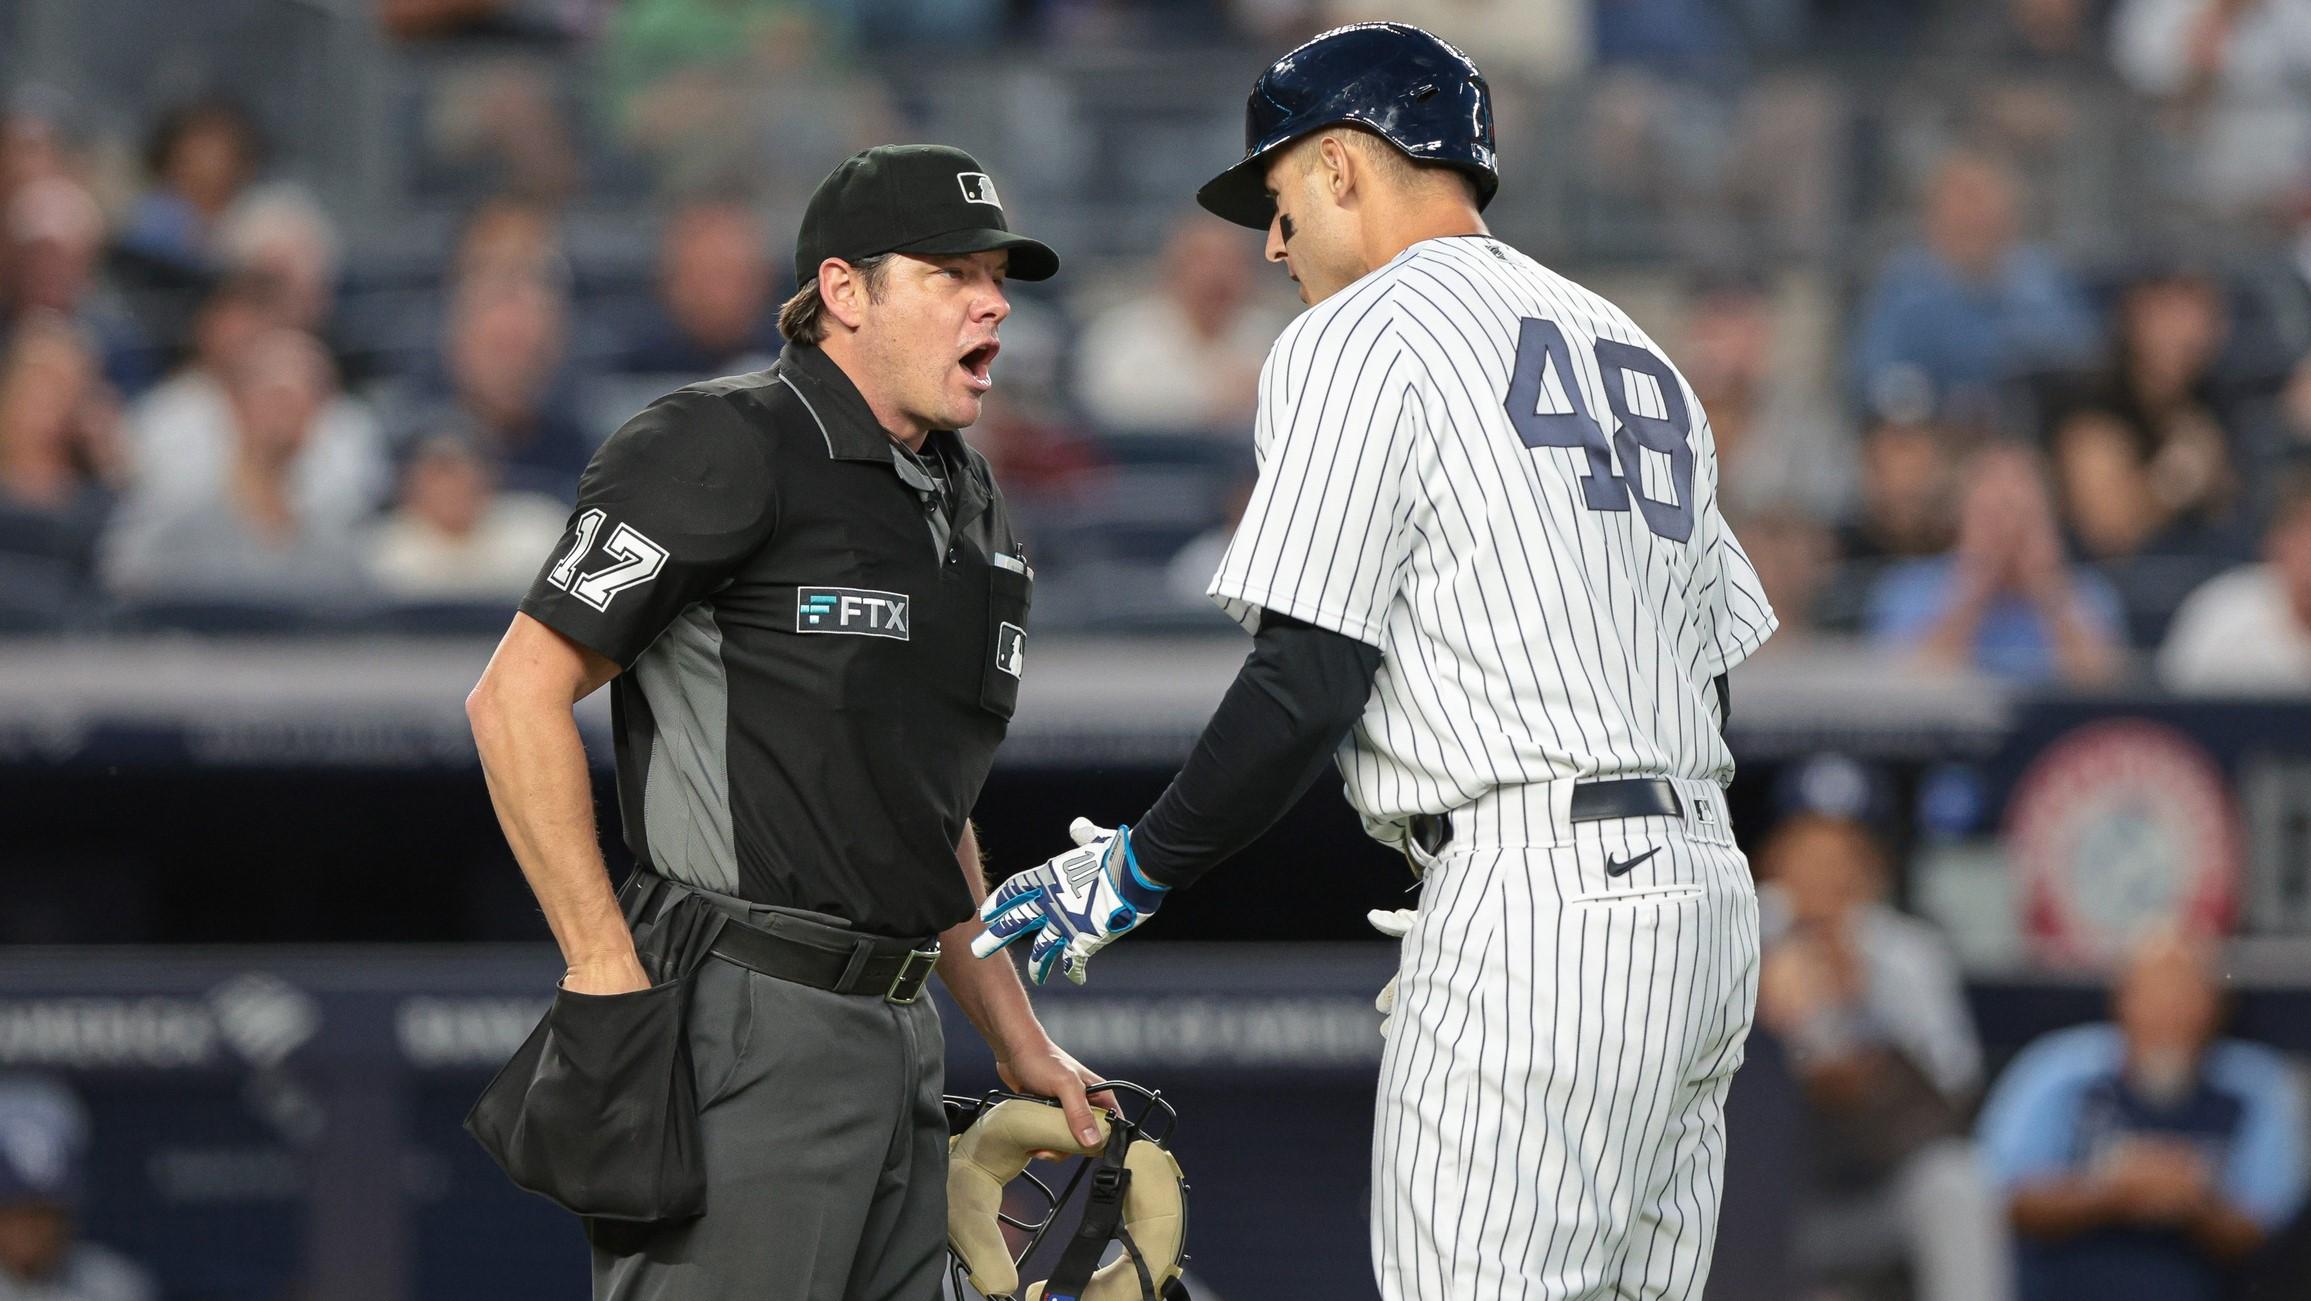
2001, 312
2147, 1157
44, 1178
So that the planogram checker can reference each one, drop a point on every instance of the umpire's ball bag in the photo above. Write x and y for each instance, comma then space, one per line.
598, 1109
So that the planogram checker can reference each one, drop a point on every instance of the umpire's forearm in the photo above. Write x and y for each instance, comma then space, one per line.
987, 990
535, 764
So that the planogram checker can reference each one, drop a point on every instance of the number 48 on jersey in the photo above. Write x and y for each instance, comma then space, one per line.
1626, 371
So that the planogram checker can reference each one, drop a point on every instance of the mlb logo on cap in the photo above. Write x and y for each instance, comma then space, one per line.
978, 187
896, 199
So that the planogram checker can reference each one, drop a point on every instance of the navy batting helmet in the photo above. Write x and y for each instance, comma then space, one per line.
1413, 89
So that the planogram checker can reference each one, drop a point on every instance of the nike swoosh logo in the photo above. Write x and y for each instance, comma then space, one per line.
1616, 867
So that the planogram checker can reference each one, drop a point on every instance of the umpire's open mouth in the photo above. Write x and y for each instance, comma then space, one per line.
979, 363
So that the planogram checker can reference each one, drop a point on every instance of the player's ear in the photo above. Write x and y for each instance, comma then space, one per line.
1336, 167
842, 291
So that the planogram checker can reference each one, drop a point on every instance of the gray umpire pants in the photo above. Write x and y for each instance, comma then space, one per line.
826, 1153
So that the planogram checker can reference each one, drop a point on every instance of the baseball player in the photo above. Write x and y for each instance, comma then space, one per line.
1485, 570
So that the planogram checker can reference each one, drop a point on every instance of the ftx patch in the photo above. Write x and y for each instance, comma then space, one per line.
859, 611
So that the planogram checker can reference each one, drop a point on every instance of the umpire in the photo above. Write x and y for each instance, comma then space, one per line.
811, 605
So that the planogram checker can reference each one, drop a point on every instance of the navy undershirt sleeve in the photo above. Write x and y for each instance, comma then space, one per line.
1298, 694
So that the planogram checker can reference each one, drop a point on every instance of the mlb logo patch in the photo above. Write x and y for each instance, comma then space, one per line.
1705, 814
978, 187
1011, 649
858, 611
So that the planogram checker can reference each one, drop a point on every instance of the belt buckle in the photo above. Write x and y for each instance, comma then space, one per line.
916, 968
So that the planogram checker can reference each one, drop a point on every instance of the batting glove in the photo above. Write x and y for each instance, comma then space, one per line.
1072, 906
1395, 924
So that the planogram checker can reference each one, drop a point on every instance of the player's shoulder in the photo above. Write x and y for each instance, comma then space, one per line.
1487, 275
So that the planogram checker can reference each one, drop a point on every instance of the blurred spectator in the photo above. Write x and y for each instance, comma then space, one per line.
200, 156
2250, 630
249, 537
741, 96
2146, 1159
184, 430
1869, 1006
2232, 74
1776, 442
1972, 305
716, 312
1669, 33
1039, 453
43, 1173
51, 236
656, 40
501, 383
1184, 355
2005, 601
1903, 510
1908, 476
454, 536
1188, 576
943, 25
2143, 460
2031, 79
60, 456
510, 236
33, 139
1533, 42
278, 236
523, 20
1795, 558
502, 126
2042, 35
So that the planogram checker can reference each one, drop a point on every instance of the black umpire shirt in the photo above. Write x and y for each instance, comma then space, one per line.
822, 635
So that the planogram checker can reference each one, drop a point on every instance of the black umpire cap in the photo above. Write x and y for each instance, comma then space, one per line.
928, 199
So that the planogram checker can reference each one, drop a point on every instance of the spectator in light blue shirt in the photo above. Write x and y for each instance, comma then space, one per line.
2144, 1161
2005, 600
1972, 305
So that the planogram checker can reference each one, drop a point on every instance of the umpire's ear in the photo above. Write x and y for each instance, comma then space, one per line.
844, 291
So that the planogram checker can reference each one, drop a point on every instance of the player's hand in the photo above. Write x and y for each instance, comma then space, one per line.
1395, 924
1072, 906
1047, 1071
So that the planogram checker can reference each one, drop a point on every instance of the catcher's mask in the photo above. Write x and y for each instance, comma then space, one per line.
1134, 1196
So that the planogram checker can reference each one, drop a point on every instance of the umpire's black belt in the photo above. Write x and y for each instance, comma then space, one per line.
1593, 801
787, 947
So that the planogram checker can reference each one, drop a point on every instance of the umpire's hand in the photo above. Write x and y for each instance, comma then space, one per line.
1048, 1071
1071, 906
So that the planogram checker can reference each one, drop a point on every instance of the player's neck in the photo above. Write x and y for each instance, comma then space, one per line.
1398, 231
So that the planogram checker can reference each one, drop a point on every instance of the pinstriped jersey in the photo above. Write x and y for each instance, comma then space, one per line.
1492, 475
